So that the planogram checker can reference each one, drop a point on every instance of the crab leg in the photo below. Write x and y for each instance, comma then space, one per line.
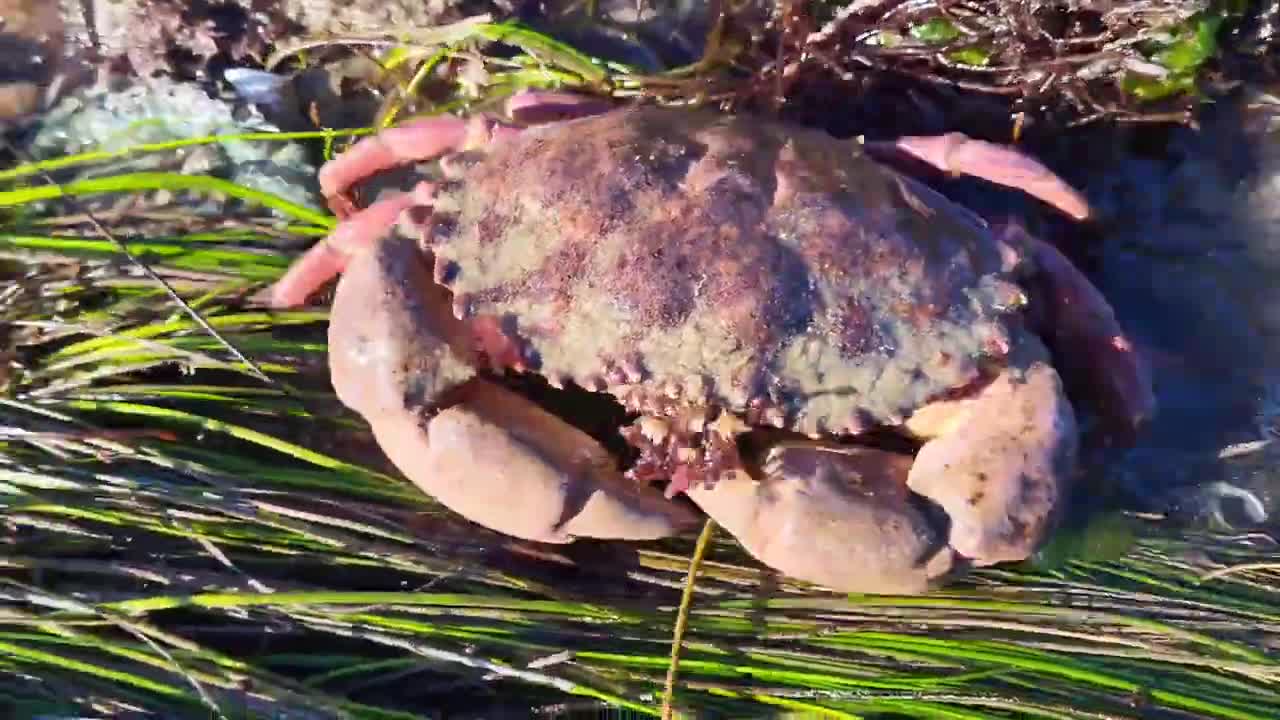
435, 136
359, 229
393, 147
541, 106
959, 154
1090, 347
328, 258
416, 141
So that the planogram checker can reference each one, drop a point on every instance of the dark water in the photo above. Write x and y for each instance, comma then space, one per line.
1189, 254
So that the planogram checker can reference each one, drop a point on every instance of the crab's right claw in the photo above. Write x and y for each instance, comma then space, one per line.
502, 462
840, 517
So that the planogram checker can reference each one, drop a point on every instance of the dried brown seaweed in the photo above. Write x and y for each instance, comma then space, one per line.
1126, 60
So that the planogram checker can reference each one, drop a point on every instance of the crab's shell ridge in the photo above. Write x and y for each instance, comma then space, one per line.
688, 256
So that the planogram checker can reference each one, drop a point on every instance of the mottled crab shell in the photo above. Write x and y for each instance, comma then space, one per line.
693, 258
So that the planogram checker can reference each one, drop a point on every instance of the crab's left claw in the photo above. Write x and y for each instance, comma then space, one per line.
841, 517
500, 461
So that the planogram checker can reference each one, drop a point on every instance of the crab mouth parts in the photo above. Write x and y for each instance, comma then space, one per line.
606, 420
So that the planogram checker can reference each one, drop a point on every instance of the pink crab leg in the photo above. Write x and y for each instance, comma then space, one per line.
434, 136
1080, 323
415, 141
412, 142
327, 258
541, 106
960, 154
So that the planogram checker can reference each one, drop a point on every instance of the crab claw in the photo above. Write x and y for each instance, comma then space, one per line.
504, 463
999, 462
857, 519
841, 517
400, 358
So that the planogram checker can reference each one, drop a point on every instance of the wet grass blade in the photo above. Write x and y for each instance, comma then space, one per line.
51, 165
245, 264
173, 182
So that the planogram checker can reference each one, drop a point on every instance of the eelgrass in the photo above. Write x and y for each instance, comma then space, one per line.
186, 540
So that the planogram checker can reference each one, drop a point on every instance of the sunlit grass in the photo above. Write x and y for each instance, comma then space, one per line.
185, 538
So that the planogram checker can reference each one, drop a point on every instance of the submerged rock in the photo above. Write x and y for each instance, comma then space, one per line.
117, 115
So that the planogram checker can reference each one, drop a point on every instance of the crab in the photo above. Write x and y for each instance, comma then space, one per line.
856, 377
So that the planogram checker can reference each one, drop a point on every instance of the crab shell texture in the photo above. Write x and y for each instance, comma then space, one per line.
721, 277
